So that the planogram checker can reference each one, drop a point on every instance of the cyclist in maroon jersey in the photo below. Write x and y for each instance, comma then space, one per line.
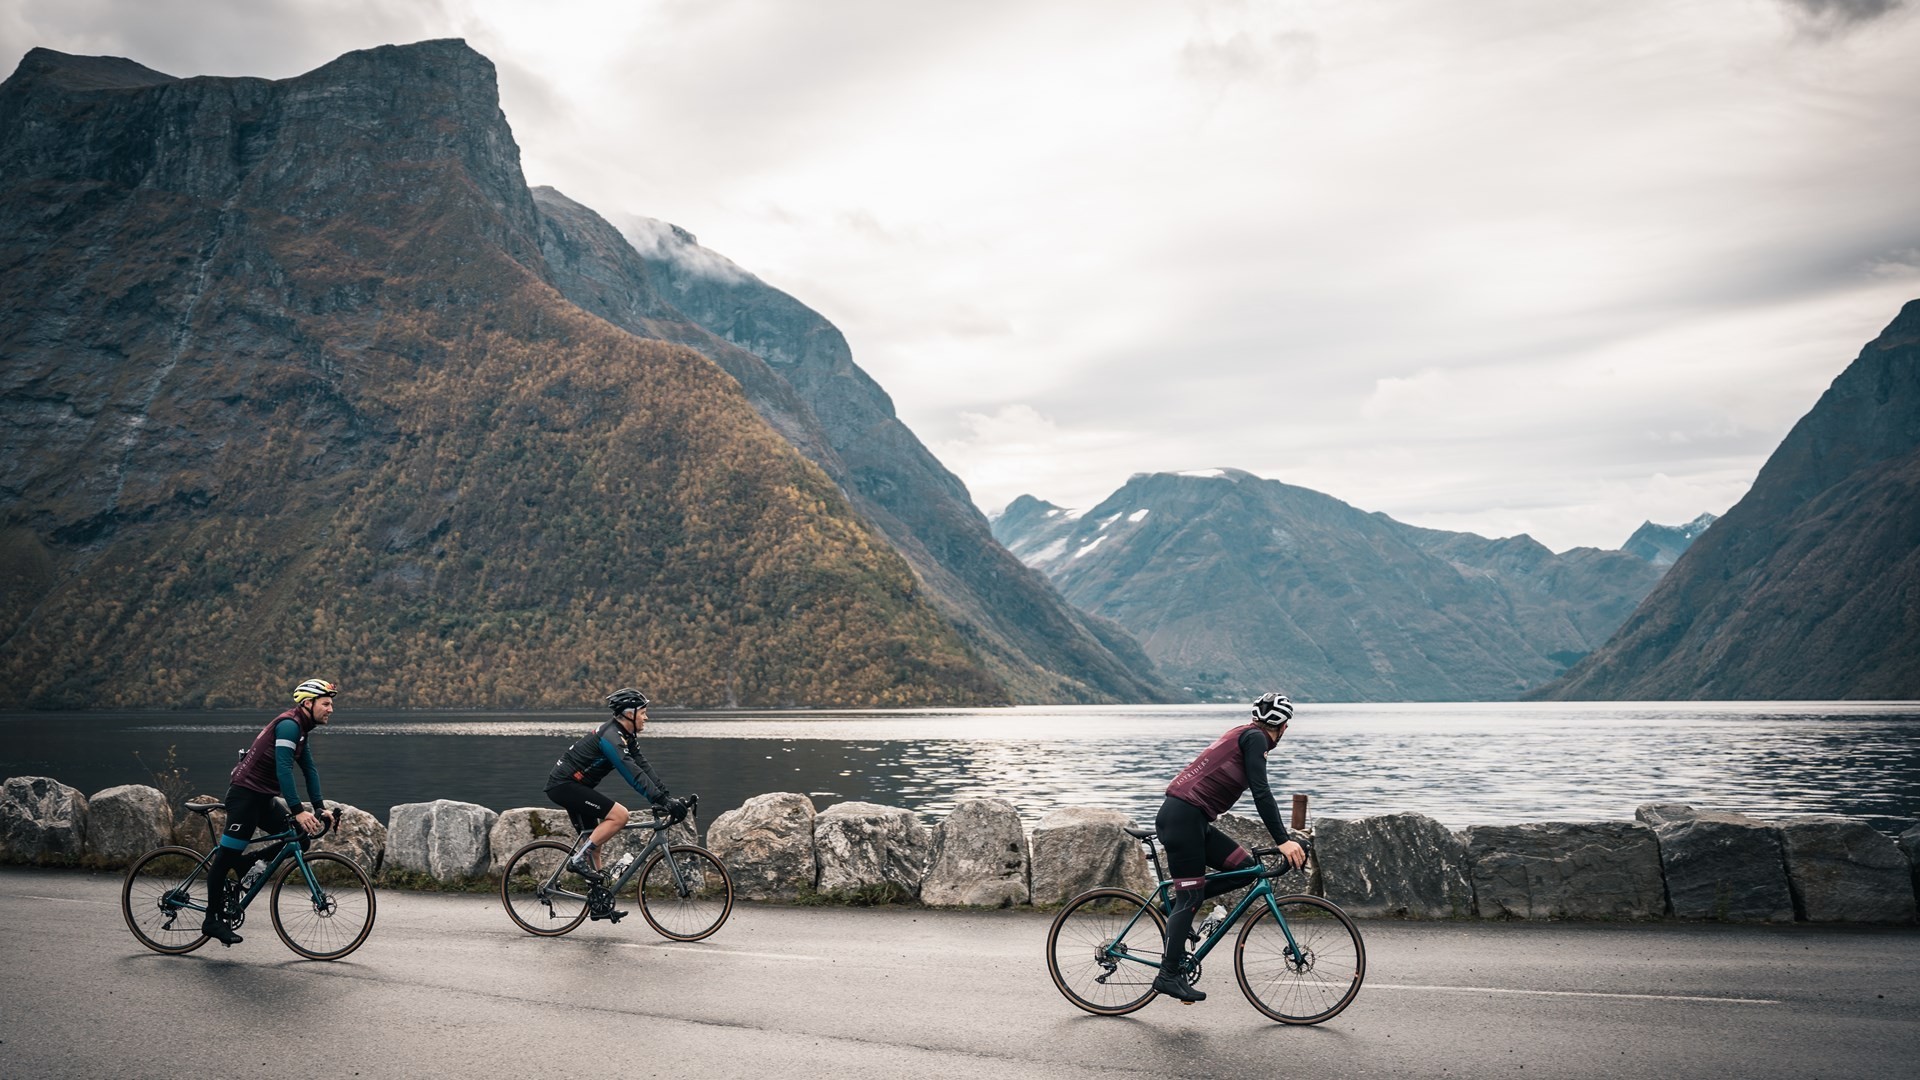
1204, 790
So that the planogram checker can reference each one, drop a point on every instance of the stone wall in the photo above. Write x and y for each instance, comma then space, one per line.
1672, 862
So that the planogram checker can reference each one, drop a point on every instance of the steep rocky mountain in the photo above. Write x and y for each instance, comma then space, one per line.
798, 371
1236, 584
1662, 545
1810, 586
289, 389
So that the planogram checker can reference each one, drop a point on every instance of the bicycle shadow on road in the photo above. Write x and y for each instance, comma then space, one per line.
223, 981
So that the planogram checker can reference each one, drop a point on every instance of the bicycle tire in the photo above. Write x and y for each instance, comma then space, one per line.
1080, 943
522, 890
693, 916
169, 927
1295, 992
334, 925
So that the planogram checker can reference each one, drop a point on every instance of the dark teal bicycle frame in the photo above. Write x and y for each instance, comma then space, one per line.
1263, 891
178, 899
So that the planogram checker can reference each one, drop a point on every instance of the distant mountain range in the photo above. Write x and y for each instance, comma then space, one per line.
1809, 587
1662, 544
1235, 584
301, 378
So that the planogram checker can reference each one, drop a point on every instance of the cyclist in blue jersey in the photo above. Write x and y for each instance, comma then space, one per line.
1205, 789
613, 747
266, 770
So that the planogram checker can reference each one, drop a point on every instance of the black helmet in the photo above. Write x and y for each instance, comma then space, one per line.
626, 698
1272, 709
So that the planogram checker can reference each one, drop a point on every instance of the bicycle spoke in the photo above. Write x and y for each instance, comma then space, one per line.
685, 893
325, 911
1103, 951
164, 900
539, 895
1310, 979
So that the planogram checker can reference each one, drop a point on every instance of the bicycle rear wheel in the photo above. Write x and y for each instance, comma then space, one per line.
164, 900
325, 913
1313, 984
1104, 949
697, 911
540, 896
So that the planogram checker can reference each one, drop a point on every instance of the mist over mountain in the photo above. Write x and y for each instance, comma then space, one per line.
1809, 587
291, 388
1235, 584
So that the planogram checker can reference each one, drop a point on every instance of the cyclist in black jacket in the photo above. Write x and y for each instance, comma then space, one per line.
614, 746
1202, 792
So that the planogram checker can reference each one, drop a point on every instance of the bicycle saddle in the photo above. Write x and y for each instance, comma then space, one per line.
204, 804
1138, 834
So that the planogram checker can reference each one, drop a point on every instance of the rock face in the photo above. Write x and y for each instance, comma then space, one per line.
1396, 864
296, 339
798, 371
1724, 866
1843, 870
864, 845
516, 828
1910, 847
443, 839
1554, 870
126, 822
767, 845
1077, 848
41, 821
1235, 584
1802, 591
359, 837
979, 858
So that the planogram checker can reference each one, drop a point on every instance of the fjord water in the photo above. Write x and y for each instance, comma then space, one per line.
1464, 764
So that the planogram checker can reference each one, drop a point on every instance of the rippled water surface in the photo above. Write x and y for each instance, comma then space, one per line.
1463, 764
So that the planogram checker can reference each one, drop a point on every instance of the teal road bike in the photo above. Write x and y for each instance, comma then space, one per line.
321, 901
1299, 959
684, 892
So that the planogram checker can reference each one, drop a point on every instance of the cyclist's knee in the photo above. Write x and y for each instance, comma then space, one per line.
618, 815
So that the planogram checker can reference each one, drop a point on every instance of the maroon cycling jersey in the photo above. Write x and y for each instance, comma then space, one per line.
1215, 780
266, 769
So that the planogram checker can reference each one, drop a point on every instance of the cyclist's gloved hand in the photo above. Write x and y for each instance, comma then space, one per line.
676, 808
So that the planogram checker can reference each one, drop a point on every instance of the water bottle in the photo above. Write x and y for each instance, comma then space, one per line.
254, 873
1213, 919
621, 866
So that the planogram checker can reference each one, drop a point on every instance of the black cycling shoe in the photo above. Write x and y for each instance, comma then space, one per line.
221, 933
587, 873
610, 914
1177, 990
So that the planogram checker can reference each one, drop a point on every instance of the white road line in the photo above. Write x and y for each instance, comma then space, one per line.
719, 952
1574, 993
59, 899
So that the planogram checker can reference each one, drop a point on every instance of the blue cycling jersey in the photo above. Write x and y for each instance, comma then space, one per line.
608, 749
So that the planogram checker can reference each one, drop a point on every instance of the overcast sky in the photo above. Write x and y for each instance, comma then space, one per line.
1493, 265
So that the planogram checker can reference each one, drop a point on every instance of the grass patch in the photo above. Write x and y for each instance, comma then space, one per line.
883, 894
416, 881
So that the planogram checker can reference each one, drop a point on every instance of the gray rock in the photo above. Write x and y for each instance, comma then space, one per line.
198, 831
1655, 814
1579, 870
126, 822
979, 858
1077, 848
360, 837
767, 845
1724, 866
443, 839
41, 821
1396, 864
1843, 870
864, 845
1910, 847
516, 828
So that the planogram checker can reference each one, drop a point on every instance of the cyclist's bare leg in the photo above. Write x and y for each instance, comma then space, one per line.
615, 820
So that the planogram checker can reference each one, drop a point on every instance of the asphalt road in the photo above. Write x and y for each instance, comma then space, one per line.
447, 986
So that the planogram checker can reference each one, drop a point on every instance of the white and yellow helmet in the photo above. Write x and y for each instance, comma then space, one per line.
313, 688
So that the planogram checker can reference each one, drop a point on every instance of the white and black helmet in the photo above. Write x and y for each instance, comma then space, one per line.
626, 698
1272, 709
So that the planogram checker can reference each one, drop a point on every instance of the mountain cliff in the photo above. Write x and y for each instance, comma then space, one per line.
1810, 586
1236, 584
290, 389
798, 371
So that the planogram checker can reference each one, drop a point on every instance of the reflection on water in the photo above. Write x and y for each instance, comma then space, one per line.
1463, 764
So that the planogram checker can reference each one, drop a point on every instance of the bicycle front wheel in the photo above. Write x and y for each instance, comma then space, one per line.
164, 900
326, 912
540, 895
1104, 949
685, 893
1310, 979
